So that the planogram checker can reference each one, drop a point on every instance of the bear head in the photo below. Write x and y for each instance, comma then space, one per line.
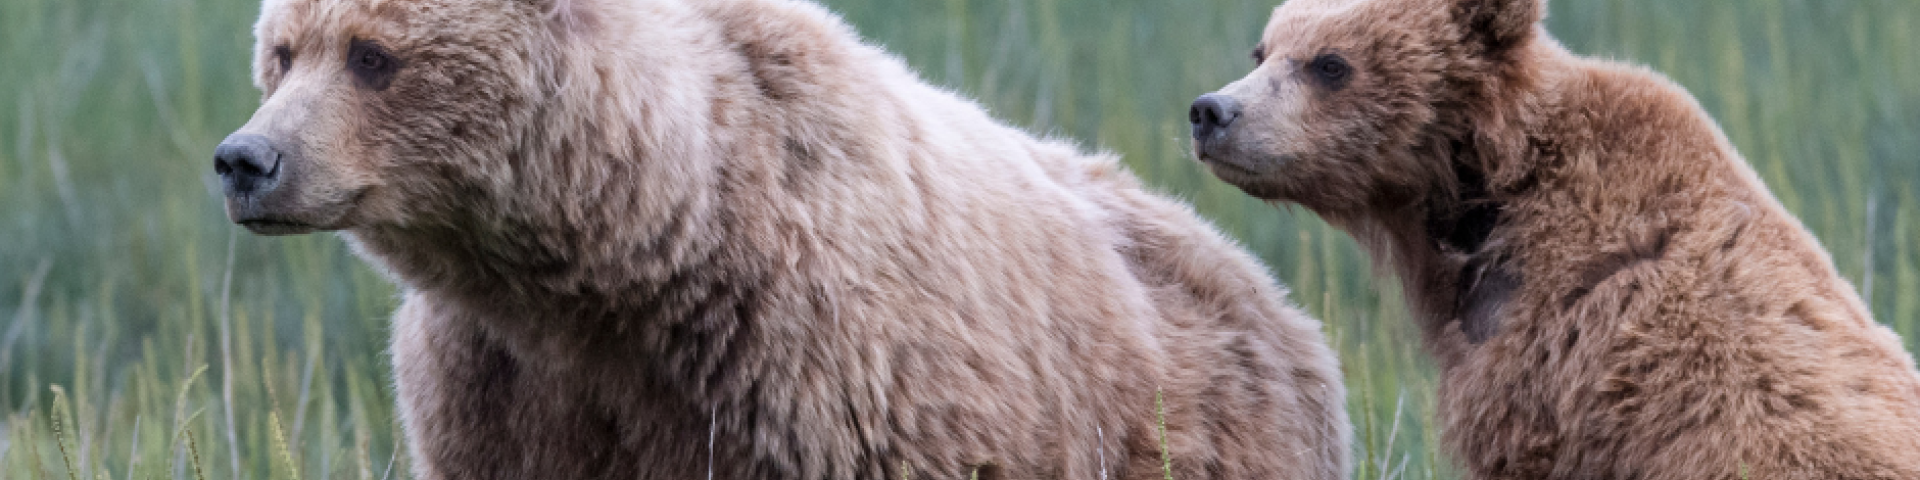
404, 113
1351, 99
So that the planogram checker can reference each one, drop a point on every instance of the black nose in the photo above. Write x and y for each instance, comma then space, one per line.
248, 163
1212, 114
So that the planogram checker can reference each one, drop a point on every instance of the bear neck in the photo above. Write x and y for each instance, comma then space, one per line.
1446, 242
672, 303
534, 261
1448, 253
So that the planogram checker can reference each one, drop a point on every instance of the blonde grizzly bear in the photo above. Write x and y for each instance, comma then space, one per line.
1609, 290
677, 239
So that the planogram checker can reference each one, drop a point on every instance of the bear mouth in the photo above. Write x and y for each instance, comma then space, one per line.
1227, 169
1232, 168
276, 227
278, 218
1256, 178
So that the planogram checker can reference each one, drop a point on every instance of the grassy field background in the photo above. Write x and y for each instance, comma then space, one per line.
142, 337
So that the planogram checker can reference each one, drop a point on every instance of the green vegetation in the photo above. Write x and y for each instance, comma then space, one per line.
141, 337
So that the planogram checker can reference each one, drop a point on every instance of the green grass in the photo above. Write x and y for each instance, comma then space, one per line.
141, 337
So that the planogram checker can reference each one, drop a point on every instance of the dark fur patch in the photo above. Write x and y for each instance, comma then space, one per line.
801, 159
1466, 226
1486, 288
1640, 250
1733, 240
1497, 25
1473, 228
495, 372
773, 70
987, 472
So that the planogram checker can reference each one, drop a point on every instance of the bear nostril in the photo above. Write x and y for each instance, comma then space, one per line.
245, 161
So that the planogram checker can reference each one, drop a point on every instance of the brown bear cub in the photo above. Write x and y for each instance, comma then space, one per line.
680, 239
1609, 290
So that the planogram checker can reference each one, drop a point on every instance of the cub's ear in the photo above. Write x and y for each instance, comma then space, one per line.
1499, 25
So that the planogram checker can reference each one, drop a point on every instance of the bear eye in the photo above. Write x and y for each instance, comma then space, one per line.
1330, 70
284, 56
371, 64
1259, 55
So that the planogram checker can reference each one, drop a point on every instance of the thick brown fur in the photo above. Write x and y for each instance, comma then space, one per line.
630, 229
1608, 288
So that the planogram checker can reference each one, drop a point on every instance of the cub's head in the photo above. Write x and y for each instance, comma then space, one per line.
378, 110
1346, 94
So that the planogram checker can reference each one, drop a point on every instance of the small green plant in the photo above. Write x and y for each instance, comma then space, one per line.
1166, 455
62, 410
193, 447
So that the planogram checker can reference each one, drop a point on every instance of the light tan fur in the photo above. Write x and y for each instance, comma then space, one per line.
1608, 288
626, 227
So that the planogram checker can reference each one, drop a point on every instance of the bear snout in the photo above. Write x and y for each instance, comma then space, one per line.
1213, 117
247, 164
261, 191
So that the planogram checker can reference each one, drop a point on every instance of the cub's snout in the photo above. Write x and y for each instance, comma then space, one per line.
1220, 136
1212, 115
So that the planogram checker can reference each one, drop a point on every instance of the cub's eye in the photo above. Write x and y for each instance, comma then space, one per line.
1259, 55
371, 64
371, 60
1330, 70
284, 56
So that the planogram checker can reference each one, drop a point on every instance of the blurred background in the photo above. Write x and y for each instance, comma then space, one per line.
141, 337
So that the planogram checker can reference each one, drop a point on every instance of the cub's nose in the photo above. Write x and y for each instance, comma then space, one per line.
247, 163
1211, 115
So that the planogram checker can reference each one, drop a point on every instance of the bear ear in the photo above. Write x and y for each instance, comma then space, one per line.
1499, 24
